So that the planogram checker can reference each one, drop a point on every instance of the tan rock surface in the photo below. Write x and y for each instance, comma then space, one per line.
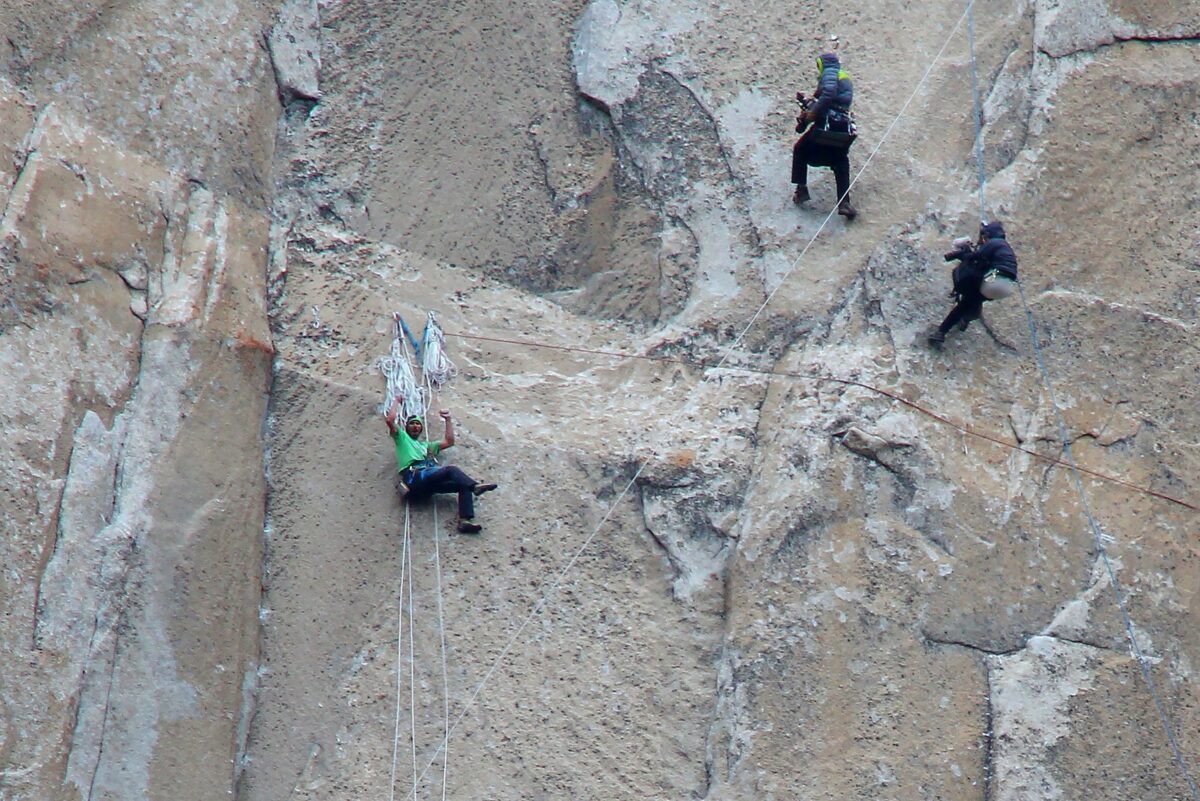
697, 580
136, 357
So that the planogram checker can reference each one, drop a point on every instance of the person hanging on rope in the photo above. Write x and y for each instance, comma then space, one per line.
987, 272
830, 132
420, 473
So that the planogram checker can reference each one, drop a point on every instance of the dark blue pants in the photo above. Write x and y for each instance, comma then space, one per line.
968, 278
424, 484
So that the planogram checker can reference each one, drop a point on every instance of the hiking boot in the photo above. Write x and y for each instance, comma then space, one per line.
467, 527
801, 195
962, 324
936, 337
479, 489
846, 210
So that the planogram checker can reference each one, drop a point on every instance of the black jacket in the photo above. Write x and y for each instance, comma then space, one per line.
997, 254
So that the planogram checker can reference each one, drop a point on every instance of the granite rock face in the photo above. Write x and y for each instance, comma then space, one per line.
788, 552
136, 361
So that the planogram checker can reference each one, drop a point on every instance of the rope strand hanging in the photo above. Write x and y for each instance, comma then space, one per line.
435, 366
400, 657
402, 382
1099, 538
437, 562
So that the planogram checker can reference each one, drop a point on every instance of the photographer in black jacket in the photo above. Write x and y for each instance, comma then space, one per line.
993, 260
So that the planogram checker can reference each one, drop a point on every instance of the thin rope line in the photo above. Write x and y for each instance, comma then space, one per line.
437, 561
1098, 536
537, 608
977, 106
412, 663
867, 163
399, 656
960, 427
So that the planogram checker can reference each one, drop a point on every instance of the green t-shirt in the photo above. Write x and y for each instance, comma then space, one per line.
409, 450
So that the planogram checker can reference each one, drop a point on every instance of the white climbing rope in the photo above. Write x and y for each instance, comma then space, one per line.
437, 370
436, 367
437, 562
978, 108
399, 657
412, 660
402, 382
1099, 538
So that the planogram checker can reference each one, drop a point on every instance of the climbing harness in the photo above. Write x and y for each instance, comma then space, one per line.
1099, 538
838, 130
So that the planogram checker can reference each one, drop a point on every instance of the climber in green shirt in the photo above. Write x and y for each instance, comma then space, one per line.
422, 475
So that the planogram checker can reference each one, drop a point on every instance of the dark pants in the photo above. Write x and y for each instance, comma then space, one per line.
807, 154
967, 280
424, 484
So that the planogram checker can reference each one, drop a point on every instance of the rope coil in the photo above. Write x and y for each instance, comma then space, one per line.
435, 366
397, 369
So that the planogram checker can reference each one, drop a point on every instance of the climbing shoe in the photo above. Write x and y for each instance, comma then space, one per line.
479, 489
467, 527
801, 195
846, 210
936, 337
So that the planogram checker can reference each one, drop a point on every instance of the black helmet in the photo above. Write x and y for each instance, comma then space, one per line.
991, 230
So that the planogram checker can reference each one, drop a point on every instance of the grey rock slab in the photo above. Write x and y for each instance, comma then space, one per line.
295, 42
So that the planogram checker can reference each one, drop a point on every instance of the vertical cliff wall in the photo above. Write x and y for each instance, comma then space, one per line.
792, 553
136, 364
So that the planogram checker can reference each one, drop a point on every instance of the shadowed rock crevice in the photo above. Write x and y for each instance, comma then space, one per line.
107, 707
1119, 40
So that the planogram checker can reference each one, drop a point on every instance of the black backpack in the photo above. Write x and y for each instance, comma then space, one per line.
836, 130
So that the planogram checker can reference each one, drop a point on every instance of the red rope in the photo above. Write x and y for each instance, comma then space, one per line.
961, 427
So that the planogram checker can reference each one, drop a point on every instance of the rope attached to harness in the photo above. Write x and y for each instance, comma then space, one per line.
437, 564
418, 395
400, 659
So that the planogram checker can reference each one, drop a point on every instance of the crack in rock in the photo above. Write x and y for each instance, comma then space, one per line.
1068, 28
